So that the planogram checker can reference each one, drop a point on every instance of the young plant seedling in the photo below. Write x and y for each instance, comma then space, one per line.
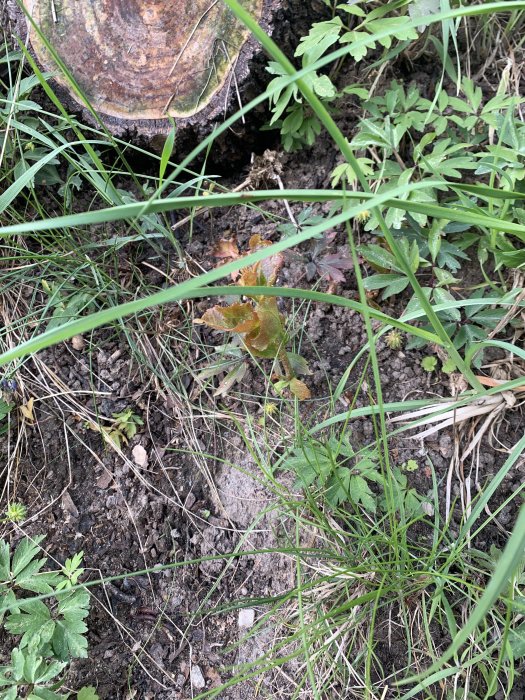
258, 322
124, 428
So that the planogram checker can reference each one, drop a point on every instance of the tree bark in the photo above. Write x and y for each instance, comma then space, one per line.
141, 62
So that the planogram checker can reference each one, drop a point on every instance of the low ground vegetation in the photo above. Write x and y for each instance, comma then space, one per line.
268, 442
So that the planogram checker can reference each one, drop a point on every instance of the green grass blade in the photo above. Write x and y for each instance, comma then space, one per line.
511, 558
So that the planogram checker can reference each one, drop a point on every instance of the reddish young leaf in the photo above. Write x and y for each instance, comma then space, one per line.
331, 267
240, 318
269, 338
226, 248
270, 267
249, 277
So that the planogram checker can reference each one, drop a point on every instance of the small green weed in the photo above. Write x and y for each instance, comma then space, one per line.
49, 632
124, 427
467, 326
342, 475
429, 363
298, 125
15, 513
258, 322
336, 470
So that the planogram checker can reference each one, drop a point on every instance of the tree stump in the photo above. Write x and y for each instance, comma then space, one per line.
139, 62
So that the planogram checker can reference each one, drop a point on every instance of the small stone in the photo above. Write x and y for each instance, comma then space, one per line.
104, 480
246, 617
78, 342
427, 508
197, 679
140, 456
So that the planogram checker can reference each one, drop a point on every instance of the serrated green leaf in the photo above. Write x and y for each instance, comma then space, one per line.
352, 9
30, 571
378, 256
321, 36
358, 52
18, 662
444, 277
49, 671
41, 583
4, 561
8, 603
434, 241
514, 259
468, 334
360, 493
380, 281
44, 694
32, 664
69, 640
24, 553
294, 120
395, 288
324, 88
338, 487
29, 622
516, 641
412, 503
74, 603
489, 317
442, 296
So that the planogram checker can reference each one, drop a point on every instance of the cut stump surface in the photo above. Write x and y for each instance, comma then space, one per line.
145, 60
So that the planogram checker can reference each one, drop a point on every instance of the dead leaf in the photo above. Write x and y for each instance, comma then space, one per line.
104, 480
68, 505
234, 376
27, 410
299, 389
